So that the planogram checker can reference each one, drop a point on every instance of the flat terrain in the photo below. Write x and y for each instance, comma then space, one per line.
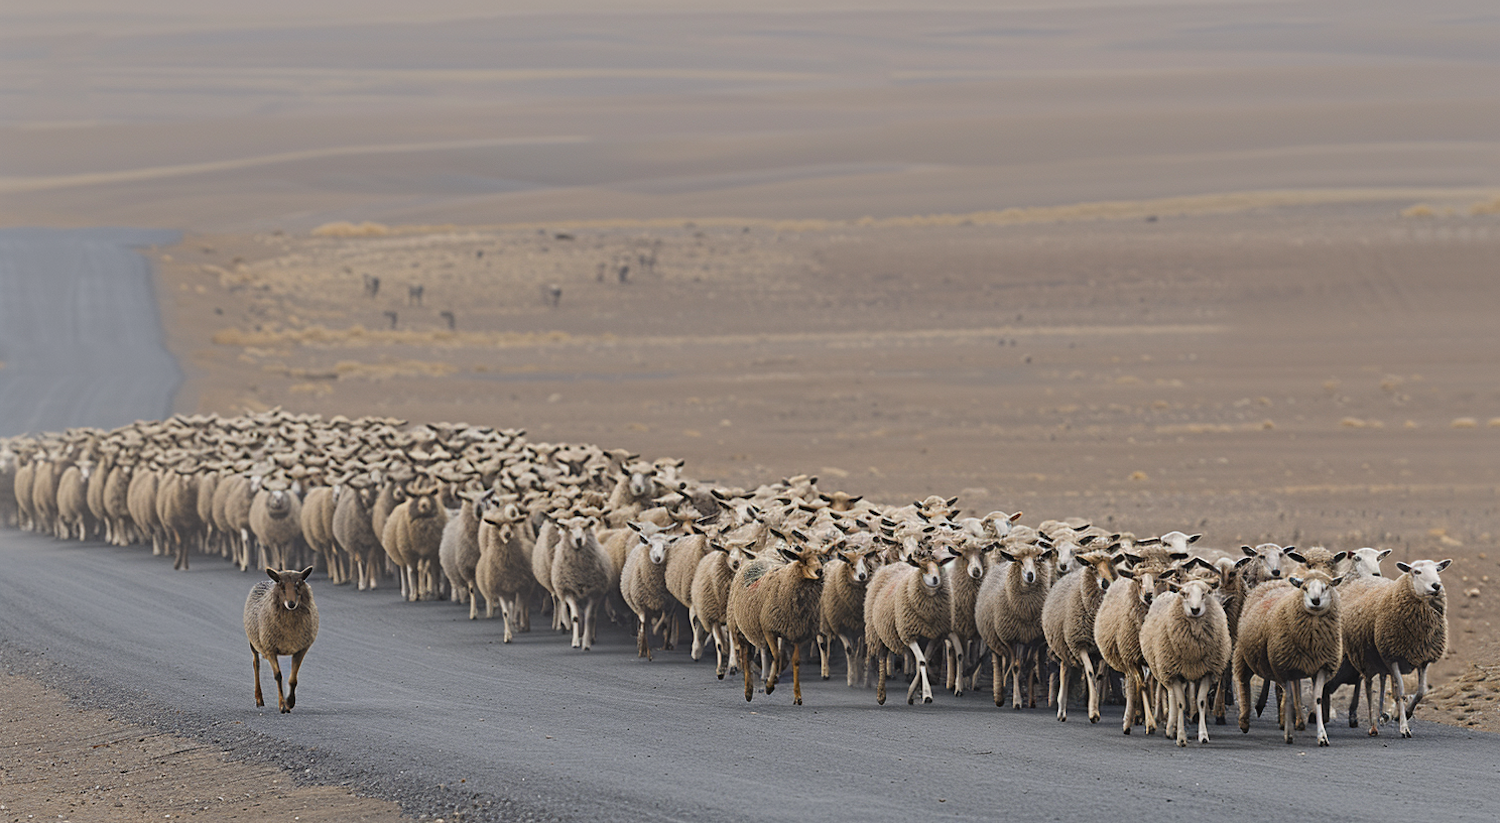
1219, 267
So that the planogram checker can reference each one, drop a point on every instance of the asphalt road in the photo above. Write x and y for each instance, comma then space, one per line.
416, 703
80, 337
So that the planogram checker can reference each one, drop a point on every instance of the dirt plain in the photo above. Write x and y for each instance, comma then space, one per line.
1306, 357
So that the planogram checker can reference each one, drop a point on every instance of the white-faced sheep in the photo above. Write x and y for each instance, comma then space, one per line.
354, 531
643, 582
1117, 633
416, 527
581, 576
711, 582
1398, 626
963, 579
276, 521
1008, 614
281, 619
1289, 631
318, 508
1185, 642
458, 554
842, 609
502, 573
775, 602
906, 603
1068, 623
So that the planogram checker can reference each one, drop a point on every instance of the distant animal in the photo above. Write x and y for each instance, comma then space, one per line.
281, 619
449, 319
624, 273
372, 285
391, 316
414, 294
554, 294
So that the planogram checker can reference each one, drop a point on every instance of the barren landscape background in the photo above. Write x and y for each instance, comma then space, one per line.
1220, 267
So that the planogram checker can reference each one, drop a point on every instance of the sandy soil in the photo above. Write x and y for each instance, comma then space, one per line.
1309, 375
61, 762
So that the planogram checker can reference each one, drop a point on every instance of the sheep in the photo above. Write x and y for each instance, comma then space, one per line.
502, 572
643, 582
1289, 630
1270, 567
685, 553
276, 521
239, 498
548, 536
354, 531
1008, 613
1185, 642
318, 507
842, 608
9, 464
906, 603
459, 551
281, 619
1117, 633
177, 511
581, 576
774, 602
1317, 557
711, 582
963, 579
73, 513
1397, 626
1068, 624
413, 537
120, 530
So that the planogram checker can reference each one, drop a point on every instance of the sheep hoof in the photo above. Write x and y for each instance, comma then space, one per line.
927, 700
1406, 733
797, 702
1374, 732
1182, 742
1126, 730
1322, 741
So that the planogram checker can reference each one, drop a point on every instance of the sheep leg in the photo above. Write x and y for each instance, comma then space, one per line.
851, 657
950, 667
739, 643
1242, 692
921, 676
796, 674
1369, 685
1202, 698
997, 688
489, 607
718, 651
1179, 709
1320, 702
643, 637
957, 657
1421, 690
1094, 684
1062, 690
700, 634
590, 622
280, 692
882, 665
1297, 708
1148, 707
572, 621
521, 606
1288, 718
255, 655
823, 654
1398, 696
505, 611
735, 659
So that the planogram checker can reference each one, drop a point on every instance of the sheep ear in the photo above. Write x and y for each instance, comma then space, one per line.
1045, 542
306, 573
1242, 561
952, 501
948, 559
1013, 518
1383, 555
1007, 555
1048, 554
633, 526
1193, 538
1341, 557
1249, 552
991, 547
1443, 564
1087, 539
1125, 573
1285, 549
1404, 567
787, 554
1335, 581
1297, 581
271, 573
719, 547
912, 560
1297, 557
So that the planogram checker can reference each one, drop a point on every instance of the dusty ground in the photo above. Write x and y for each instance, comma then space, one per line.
60, 762
1308, 375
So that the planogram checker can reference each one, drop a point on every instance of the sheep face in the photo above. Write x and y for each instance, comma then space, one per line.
1194, 596
1271, 558
642, 484
279, 504
658, 548
1366, 562
1423, 575
1067, 557
931, 568
974, 564
809, 562
291, 587
1317, 592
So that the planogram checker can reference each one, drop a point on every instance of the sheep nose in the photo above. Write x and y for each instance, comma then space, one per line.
1195, 611
860, 576
1276, 572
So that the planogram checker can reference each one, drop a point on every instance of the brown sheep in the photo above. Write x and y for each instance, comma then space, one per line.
1289, 630
774, 602
281, 619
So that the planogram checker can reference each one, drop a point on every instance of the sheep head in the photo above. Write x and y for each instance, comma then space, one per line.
1271, 557
1422, 576
291, 587
1318, 595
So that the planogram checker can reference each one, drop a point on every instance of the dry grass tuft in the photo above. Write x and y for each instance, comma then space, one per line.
1357, 423
357, 336
1419, 210
1464, 423
1485, 207
342, 228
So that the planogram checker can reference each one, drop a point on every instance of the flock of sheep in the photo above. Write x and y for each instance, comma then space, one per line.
472, 513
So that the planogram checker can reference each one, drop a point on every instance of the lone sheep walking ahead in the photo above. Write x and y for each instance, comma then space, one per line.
281, 619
